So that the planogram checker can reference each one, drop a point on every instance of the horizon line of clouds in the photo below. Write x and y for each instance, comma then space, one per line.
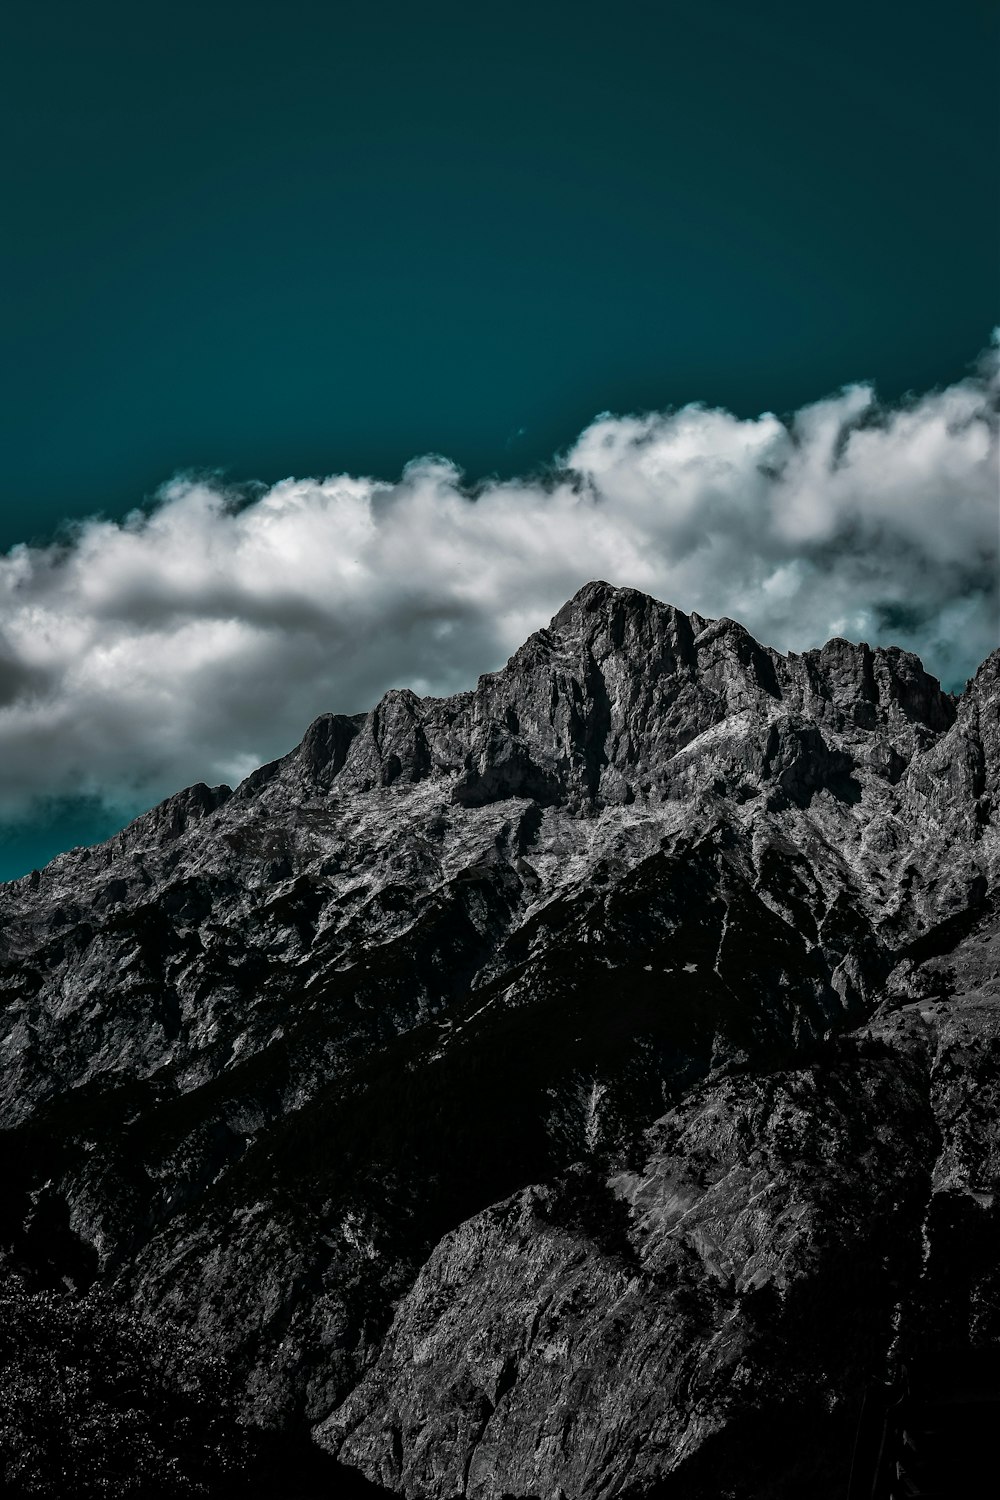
197, 639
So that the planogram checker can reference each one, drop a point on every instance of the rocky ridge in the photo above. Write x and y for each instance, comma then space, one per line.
537, 1090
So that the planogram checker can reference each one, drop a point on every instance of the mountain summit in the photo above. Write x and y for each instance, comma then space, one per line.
582, 1085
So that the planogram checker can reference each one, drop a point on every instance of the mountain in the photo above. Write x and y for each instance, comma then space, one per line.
585, 1085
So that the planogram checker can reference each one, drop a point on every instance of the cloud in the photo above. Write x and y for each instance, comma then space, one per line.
194, 641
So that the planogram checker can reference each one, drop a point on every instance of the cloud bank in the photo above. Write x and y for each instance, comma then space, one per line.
194, 641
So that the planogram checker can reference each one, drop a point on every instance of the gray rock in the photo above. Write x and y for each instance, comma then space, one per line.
519, 1085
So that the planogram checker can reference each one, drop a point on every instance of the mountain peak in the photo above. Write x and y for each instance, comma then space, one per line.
601, 707
604, 600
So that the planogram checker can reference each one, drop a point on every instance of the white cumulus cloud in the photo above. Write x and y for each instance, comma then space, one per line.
194, 641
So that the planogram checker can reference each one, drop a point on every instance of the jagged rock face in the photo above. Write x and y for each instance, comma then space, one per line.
517, 1085
781, 1232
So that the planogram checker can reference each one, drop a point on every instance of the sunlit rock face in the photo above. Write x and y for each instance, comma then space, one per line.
583, 1085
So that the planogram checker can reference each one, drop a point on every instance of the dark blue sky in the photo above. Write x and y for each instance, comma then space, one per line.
320, 236
301, 238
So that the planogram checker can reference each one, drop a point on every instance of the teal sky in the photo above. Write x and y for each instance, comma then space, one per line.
311, 237
320, 236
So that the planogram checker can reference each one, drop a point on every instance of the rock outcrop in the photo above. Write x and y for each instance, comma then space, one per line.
583, 1085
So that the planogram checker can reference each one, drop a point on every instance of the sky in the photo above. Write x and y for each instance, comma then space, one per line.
342, 342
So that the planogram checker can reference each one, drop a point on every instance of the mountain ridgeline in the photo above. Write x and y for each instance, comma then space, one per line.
587, 1085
